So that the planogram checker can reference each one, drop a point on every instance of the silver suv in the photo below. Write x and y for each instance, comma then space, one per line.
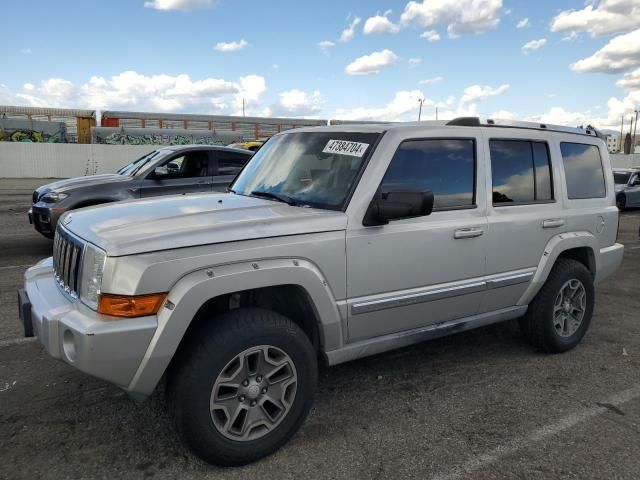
334, 243
627, 184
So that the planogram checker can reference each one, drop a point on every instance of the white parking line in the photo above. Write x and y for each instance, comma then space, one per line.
483, 460
16, 341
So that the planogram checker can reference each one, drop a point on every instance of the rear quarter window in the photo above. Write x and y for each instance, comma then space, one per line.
583, 170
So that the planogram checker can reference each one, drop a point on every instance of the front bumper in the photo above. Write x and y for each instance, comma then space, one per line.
68, 330
45, 219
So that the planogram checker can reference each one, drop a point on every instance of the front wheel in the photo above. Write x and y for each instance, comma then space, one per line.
243, 386
621, 202
559, 316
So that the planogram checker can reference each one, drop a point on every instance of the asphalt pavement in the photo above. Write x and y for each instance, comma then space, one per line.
476, 405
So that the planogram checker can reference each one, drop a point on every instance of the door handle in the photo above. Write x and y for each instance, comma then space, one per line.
468, 232
552, 223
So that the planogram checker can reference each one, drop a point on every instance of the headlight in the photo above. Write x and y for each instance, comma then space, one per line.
92, 270
53, 197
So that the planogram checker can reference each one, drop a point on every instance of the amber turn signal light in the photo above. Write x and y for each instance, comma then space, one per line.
130, 306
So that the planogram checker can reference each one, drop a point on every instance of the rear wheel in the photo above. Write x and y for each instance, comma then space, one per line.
559, 316
621, 202
243, 386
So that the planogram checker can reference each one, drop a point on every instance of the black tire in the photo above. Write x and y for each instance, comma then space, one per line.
538, 323
621, 202
207, 352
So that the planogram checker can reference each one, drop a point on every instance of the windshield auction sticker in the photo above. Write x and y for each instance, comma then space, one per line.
343, 147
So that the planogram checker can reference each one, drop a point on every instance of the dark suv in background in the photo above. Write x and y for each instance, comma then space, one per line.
165, 171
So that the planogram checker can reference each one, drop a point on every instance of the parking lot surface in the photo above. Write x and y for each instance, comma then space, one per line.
477, 405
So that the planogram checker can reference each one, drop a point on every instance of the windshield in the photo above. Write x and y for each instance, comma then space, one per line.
621, 178
135, 166
316, 169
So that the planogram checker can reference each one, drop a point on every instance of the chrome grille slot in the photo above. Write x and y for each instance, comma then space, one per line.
67, 261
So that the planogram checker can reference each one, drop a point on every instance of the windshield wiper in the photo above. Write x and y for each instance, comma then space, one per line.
275, 196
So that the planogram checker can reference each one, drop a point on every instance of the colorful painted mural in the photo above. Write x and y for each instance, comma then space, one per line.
148, 136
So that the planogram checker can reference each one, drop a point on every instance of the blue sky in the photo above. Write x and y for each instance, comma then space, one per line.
464, 56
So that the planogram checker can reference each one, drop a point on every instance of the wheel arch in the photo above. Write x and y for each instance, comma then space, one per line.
293, 287
579, 246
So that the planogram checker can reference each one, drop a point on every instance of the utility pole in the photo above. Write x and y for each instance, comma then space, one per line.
243, 106
436, 113
635, 129
421, 100
621, 135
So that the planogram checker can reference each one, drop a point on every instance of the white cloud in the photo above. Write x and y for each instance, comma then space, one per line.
380, 24
476, 93
415, 61
180, 4
570, 37
524, 23
503, 115
533, 45
231, 46
620, 54
560, 116
630, 80
430, 81
403, 106
460, 16
372, 63
431, 35
131, 90
296, 103
325, 45
251, 88
26, 51
605, 18
348, 33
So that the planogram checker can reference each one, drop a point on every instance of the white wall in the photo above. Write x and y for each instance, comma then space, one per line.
624, 161
59, 160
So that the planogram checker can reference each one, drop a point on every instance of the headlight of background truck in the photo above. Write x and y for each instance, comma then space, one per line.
53, 197
92, 270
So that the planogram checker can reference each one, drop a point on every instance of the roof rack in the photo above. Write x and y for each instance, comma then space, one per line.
476, 122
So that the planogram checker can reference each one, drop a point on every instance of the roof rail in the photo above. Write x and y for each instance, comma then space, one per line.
476, 122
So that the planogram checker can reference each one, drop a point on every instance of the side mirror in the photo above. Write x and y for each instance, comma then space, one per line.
160, 172
396, 205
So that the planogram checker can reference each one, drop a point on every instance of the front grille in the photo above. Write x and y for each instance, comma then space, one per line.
36, 196
67, 261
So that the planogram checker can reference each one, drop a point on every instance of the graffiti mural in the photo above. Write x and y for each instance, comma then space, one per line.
32, 131
32, 136
147, 139
159, 136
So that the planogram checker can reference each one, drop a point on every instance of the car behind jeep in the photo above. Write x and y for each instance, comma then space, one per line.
334, 243
165, 171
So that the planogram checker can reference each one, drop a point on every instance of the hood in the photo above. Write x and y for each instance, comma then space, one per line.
619, 187
139, 226
81, 182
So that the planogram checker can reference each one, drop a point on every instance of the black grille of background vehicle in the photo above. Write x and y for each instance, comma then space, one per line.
36, 196
67, 261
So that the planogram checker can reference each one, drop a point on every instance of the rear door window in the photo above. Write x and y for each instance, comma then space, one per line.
520, 171
230, 163
583, 170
